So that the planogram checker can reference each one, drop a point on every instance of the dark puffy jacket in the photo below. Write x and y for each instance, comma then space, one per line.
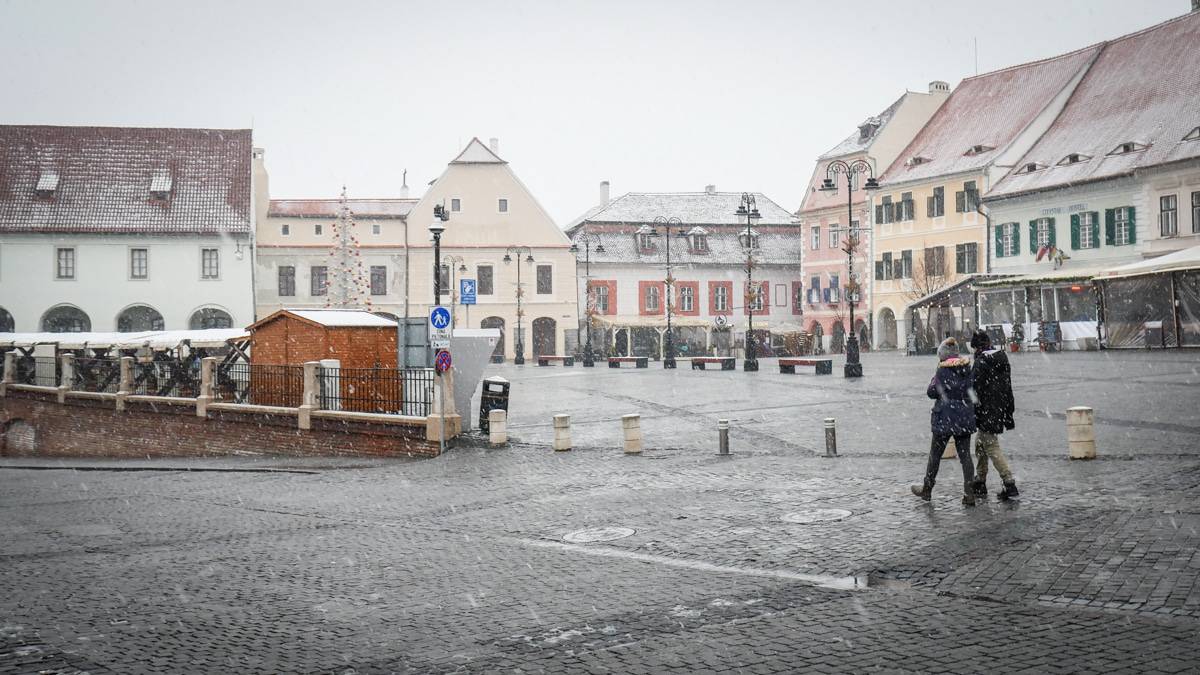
953, 411
993, 386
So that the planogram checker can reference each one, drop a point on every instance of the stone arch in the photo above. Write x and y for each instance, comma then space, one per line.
545, 336
65, 319
7, 323
139, 318
19, 438
837, 337
210, 317
887, 338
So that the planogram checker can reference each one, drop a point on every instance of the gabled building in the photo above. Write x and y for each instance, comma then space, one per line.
1114, 180
823, 216
622, 253
930, 236
127, 229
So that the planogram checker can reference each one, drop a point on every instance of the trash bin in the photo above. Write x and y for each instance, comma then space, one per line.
1154, 335
493, 397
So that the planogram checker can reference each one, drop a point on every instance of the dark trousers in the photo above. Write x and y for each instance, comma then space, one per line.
962, 445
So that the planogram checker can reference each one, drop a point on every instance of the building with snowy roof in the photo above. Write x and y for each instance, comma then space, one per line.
622, 257
127, 229
823, 216
1114, 180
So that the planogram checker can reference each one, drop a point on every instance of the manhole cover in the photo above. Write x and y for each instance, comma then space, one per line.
594, 534
816, 516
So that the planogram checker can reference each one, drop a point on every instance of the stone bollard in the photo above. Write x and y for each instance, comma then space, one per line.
562, 433
498, 427
632, 426
1081, 434
830, 437
126, 386
10, 372
208, 372
722, 437
66, 378
309, 399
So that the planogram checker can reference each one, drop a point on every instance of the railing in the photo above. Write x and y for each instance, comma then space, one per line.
166, 378
40, 370
377, 390
98, 375
260, 385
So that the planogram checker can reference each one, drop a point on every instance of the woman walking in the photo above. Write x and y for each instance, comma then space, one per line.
953, 416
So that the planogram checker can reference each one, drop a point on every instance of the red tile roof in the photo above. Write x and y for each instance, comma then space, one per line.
1144, 88
328, 208
990, 110
105, 173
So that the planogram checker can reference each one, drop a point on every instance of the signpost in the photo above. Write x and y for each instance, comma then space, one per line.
439, 324
466, 291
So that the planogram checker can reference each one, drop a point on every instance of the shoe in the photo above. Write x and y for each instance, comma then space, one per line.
922, 491
1009, 491
968, 494
979, 487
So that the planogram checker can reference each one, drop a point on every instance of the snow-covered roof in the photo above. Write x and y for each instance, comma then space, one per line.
1144, 88
477, 153
340, 318
1186, 259
155, 339
777, 245
692, 208
989, 110
1069, 272
329, 208
857, 142
103, 177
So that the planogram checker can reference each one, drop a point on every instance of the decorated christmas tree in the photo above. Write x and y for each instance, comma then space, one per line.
349, 287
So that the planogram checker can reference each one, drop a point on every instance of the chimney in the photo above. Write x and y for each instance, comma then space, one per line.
404, 187
494, 145
603, 193
939, 87
710, 189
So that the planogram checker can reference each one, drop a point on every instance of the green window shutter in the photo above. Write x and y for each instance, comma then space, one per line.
1095, 230
999, 239
1053, 239
1033, 237
1074, 231
1132, 225
1110, 227
1016, 232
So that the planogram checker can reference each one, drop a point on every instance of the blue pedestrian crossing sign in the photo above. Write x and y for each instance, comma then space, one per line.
439, 318
466, 291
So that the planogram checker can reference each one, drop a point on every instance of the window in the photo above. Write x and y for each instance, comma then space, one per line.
1196, 212
318, 283
935, 205
832, 294
1127, 147
139, 318
1085, 230
966, 258
816, 237
906, 207
834, 235
978, 150
967, 199
1042, 232
139, 263
905, 265
600, 293
1123, 228
160, 184
545, 279
754, 297
502, 205
884, 212
285, 229
378, 280
66, 263
210, 317
376, 228
1073, 158
687, 299
935, 261
699, 242
888, 269
210, 263
47, 184
645, 239
814, 290
456, 204
797, 298
287, 281
1007, 243
652, 298
483, 280
720, 298
1168, 215
318, 228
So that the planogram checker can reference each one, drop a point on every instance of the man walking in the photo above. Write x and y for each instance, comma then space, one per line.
952, 416
992, 377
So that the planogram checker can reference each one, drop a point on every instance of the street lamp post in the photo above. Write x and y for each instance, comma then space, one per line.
451, 278
749, 210
519, 359
440, 216
851, 170
589, 359
668, 225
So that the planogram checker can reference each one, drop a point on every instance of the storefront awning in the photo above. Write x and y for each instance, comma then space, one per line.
1062, 275
1187, 259
958, 294
158, 340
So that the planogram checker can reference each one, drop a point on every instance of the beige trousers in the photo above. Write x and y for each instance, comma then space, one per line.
987, 446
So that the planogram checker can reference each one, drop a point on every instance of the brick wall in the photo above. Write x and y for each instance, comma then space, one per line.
93, 428
290, 341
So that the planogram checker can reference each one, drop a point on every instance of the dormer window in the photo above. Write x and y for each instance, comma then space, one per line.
160, 184
1031, 167
47, 184
867, 129
748, 240
913, 161
1193, 135
978, 150
698, 240
1127, 147
1074, 158
645, 238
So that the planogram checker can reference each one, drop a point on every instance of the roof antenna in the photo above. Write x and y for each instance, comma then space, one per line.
976, 55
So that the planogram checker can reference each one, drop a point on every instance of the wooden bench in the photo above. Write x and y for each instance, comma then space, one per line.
726, 362
823, 366
545, 360
637, 361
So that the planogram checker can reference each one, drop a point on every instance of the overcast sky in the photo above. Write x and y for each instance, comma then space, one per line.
652, 96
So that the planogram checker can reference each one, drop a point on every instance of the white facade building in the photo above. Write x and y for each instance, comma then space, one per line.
126, 229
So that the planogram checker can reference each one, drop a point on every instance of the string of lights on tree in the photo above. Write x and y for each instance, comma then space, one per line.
349, 286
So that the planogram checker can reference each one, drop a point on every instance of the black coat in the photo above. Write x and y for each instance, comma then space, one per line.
993, 386
953, 412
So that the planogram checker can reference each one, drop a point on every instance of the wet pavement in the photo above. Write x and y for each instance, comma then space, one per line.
521, 559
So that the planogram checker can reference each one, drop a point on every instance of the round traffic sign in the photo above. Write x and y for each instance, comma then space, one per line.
439, 318
442, 362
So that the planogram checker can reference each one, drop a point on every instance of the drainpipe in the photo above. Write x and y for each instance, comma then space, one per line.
987, 250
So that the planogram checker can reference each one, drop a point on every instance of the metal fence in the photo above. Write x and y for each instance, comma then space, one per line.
40, 370
377, 390
166, 378
102, 375
260, 385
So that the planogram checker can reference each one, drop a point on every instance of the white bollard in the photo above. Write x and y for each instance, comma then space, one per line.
498, 427
830, 437
1081, 434
562, 433
722, 437
632, 426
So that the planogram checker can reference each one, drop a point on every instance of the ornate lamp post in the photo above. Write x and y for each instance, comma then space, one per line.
749, 210
519, 359
851, 170
669, 224
440, 216
589, 359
